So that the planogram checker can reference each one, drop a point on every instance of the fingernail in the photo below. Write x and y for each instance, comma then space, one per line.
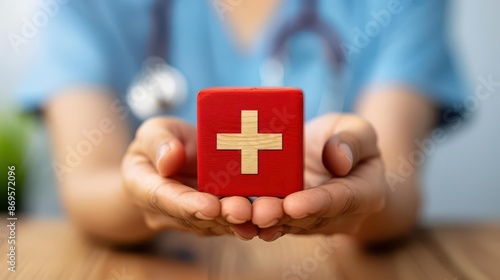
200, 216
164, 148
276, 236
233, 220
240, 237
346, 150
270, 224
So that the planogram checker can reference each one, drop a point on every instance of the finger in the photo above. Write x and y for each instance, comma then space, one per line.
246, 231
353, 140
341, 196
321, 201
220, 230
236, 209
307, 223
342, 224
158, 221
276, 232
267, 211
181, 201
169, 144
153, 192
272, 233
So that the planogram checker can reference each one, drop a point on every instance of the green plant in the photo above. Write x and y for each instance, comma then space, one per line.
14, 132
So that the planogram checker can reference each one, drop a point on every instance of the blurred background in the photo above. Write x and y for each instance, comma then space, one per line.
461, 178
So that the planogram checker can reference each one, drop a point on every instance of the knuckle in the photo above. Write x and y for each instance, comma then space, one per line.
350, 202
143, 128
217, 230
150, 125
358, 121
193, 225
321, 222
152, 221
130, 168
130, 184
172, 207
127, 174
154, 199
380, 186
152, 122
187, 212
366, 126
185, 223
325, 193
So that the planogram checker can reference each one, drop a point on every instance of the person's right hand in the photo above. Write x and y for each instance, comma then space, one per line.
159, 174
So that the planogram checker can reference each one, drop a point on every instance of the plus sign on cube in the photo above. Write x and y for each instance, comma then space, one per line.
250, 141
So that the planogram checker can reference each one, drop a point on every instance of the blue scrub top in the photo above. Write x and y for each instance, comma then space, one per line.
104, 43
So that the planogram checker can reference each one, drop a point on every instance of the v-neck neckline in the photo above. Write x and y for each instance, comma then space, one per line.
261, 38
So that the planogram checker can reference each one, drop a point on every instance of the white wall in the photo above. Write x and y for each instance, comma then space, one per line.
462, 178
12, 14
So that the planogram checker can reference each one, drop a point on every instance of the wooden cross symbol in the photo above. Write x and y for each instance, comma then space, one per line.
249, 141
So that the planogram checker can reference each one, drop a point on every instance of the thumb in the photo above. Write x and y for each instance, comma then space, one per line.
353, 140
169, 144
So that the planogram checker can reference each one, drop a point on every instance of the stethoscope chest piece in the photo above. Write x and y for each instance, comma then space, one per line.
158, 88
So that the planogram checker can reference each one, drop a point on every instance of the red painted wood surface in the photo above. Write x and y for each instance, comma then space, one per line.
280, 110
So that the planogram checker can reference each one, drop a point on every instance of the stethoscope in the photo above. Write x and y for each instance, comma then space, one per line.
160, 88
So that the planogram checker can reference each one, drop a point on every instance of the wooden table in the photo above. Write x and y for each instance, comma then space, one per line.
55, 250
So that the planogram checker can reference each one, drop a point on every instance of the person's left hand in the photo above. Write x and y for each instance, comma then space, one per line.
344, 182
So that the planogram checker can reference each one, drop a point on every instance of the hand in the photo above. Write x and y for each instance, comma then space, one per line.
159, 174
344, 182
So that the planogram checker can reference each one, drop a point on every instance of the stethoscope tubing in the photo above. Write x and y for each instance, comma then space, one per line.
307, 20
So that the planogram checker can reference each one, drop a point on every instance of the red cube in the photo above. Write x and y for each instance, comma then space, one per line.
250, 141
